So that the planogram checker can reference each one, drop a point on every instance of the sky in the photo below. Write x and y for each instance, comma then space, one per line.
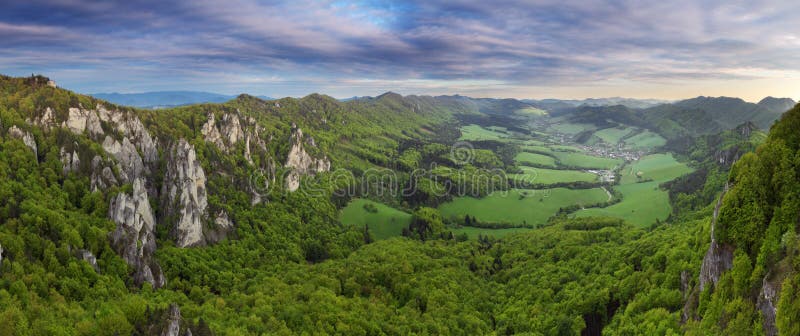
500, 48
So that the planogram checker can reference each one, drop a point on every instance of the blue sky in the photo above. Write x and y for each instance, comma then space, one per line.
523, 49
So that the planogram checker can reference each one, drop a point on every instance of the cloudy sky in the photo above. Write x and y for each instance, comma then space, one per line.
499, 48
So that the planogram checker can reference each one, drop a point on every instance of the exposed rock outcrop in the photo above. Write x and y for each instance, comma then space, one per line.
226, 135
26, 137
88, 257
81, 120
183, 196
70, 162
131, 127
719, 257
46, 121
130, 163
102, 175
767, 304
134, 238
300, 162
173, 327
1, 255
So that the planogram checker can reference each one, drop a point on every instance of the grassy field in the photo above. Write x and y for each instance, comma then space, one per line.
475, 132
531, 111
552, 176
646, 140
521, 206
570, 128
473, 232
613, 135
544, 160
565, 148
658, 167
586, 161
386, 222
643, 203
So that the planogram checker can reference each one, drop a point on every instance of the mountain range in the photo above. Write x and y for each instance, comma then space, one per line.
163, 99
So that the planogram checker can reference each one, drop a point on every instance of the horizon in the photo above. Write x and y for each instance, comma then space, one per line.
521, 50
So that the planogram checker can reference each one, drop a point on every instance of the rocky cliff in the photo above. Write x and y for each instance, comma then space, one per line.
184, 198
134, 238
299, 162
719, 257
26, 138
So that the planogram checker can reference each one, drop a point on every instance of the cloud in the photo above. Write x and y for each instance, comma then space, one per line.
417, 45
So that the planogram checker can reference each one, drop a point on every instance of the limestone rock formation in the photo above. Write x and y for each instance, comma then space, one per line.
227, 134
719, 257
174, 319
767, 304
81, 120
25, 136
46, 121
87, 256
131, 127
102, 175
134, 237
70, 162
130, 163
183, 195
300, 162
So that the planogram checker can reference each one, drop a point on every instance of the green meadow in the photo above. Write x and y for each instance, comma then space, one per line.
552, 176
383, 221
521, 206
539, 159
585, 161
646, 140
643, 202
477, 133
613, 135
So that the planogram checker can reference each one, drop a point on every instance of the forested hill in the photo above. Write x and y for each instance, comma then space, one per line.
222, 219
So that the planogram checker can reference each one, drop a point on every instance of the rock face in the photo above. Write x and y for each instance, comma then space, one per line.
184, 195
173, 327
227, 135
718, 258
26, 137
300, 162
88, 257
131, 127
767, 298
81, 120
130, 163
70, 162
46, 121
134, 239
102, 175
1, 255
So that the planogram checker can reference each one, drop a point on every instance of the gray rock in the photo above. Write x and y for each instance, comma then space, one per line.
226, 135
174, 319
102, 175
70, 162
719, 257
766, 303
1, 255
81, 120
133, 238
46, 121
300, 162
87, 256
183, 195
130, 163
26, 138
131, 127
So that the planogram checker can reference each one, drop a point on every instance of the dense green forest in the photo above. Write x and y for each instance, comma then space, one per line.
287, 265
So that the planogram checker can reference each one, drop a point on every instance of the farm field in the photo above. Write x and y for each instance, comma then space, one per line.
643, 203
521, 206
585, 161
613, 135
540, 159
386, 222
476, 133
658, 167
645, 140
570, 128
552, 176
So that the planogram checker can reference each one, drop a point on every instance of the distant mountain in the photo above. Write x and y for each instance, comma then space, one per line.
731, 112
777, 105
162, 99
551, 105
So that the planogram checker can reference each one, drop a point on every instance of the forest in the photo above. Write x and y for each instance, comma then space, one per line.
721, 260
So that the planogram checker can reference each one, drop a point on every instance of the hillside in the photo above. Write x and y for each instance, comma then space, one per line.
225, 219
164, 99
